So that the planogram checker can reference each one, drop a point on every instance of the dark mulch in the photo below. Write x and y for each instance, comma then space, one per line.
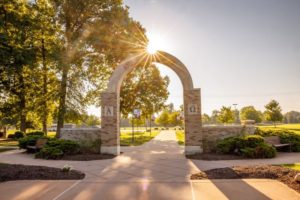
282, 174
214, 156
10, 172
87, 157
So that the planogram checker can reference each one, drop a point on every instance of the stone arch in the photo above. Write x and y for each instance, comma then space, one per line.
110, 100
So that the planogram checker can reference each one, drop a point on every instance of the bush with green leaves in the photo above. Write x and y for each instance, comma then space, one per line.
262, 150
285, 137
39, 133
293, 139
90, 146
231, 145
57, 148
68, 147
250, 146
50, 153
29, 140
16, 135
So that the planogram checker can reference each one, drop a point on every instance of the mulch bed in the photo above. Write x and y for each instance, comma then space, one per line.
214, 156
282, 174
87, 157
11, 172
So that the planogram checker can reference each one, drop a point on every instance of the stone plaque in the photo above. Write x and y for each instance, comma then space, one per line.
193, 109
108, 111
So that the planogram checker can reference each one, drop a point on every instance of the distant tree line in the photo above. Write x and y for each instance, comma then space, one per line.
272, 114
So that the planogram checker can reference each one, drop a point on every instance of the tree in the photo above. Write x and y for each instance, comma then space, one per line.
214, 116
250, 113
17, 56
205, 118
96, 36
163, 119
174, 118
292, 117
146, 89
273, 112
226, 115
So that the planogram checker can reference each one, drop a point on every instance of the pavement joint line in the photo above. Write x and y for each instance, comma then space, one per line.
68, 189
192, 190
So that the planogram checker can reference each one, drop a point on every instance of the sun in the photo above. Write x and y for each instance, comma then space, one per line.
152, 48
156, 42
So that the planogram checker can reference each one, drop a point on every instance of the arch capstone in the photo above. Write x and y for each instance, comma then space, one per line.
110, 101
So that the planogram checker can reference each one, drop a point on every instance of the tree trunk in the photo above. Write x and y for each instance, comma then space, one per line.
62, 101
45, 91
22, 104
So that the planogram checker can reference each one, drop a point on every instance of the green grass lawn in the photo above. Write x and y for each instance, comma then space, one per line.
295, 166
180, 137
139, 138
10, 143
290, 127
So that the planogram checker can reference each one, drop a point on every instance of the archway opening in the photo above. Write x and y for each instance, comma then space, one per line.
111, 103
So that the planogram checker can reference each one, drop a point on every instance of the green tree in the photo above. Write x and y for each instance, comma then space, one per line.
96, 36
163, 118
250, 113
226, 115
174, 119
292, 117
205, 118
273, 112
146, 89
17, 57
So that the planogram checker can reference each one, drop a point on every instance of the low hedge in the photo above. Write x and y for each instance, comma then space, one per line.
29, 140
39, 133
250, 146
57, 148
284, 135
16, 135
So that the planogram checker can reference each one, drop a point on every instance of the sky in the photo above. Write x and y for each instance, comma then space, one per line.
237, 51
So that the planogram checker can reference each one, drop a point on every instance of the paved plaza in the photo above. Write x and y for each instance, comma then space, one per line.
155, 170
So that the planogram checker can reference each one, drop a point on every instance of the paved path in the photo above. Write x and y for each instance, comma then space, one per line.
155, 170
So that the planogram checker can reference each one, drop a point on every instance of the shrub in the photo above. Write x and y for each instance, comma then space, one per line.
250, 146
50, 153
260, 151
227, 145
249, 141
40, 133
285, 137
11, 136
291, 138
90, 146
19, 134
29, 140
66, 146
233, 145
16, 135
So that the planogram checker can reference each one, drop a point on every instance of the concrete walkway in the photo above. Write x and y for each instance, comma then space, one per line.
155, 170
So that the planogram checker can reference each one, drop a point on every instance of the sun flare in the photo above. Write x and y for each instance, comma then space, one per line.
156, 42
151, 48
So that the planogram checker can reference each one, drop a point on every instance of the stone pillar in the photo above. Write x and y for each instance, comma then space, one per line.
110, 126
193, 124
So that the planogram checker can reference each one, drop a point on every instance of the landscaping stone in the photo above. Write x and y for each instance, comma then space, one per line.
297, 178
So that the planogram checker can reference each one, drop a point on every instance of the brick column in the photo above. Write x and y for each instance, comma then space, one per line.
110, 126
193, 124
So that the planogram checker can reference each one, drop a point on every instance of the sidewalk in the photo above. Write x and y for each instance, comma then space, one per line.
155, 170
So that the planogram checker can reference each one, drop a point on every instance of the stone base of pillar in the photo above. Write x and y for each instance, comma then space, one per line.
191, 150
113, 150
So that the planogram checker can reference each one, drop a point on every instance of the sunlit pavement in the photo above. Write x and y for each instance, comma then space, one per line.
155, 170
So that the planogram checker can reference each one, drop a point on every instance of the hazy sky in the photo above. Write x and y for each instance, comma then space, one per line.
237, 51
